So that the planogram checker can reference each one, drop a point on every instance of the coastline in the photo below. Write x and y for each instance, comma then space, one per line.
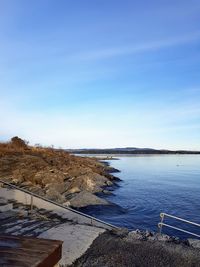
71, 180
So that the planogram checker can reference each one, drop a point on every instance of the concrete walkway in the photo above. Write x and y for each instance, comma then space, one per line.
77, 239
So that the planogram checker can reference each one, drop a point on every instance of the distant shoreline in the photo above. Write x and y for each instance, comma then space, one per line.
133, 151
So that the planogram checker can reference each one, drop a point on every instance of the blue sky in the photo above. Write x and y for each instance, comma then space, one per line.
101, 73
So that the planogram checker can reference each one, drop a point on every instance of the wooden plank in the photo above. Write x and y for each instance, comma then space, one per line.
29, 252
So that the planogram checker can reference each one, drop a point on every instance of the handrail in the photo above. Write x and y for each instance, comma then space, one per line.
161, 224
57, 204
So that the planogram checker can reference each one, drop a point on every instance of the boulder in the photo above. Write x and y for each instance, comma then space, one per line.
91, 181
59, 187
135, 235
85, 198
121, 232
67, 204
26, 184
74, 190
159, 237
54, 195
195, 243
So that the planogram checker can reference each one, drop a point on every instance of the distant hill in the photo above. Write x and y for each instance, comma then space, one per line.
129, 150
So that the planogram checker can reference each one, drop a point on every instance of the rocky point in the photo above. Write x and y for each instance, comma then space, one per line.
54, 173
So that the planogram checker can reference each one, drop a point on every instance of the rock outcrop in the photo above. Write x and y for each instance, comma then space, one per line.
85, 198
54, 173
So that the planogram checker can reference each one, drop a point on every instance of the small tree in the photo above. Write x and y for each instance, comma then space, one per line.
18, 142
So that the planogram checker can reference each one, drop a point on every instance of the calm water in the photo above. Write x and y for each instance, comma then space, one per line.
154, 184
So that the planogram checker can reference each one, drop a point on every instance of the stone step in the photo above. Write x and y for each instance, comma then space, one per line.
31, 228
39, 230
3, 201
17, 219
7, 216
6, 207
13, 223
18, 205
18, 226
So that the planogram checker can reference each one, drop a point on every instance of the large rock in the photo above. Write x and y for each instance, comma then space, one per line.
195, 243
55, 195
48, 176
159, 237
134, 235
92, 182
73, 190
86, 198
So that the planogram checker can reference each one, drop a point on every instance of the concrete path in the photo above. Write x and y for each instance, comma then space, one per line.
77, 239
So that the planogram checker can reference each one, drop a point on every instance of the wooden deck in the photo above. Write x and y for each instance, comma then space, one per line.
18, 251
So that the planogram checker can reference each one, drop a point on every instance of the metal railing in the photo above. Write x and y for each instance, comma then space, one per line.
32, 195
161, 224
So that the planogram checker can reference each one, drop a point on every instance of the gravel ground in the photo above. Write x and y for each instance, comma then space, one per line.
110, 250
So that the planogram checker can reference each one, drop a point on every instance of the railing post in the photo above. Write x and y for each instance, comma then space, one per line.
161, 223
31, 202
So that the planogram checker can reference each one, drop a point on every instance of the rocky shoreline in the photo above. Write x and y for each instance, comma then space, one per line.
68, 179
153, 236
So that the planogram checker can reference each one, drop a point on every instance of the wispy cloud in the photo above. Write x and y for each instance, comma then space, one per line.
138, 48
139, 126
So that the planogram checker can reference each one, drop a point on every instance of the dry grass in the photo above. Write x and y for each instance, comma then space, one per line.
48, 171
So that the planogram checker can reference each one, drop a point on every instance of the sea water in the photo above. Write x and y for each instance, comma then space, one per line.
152, 184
